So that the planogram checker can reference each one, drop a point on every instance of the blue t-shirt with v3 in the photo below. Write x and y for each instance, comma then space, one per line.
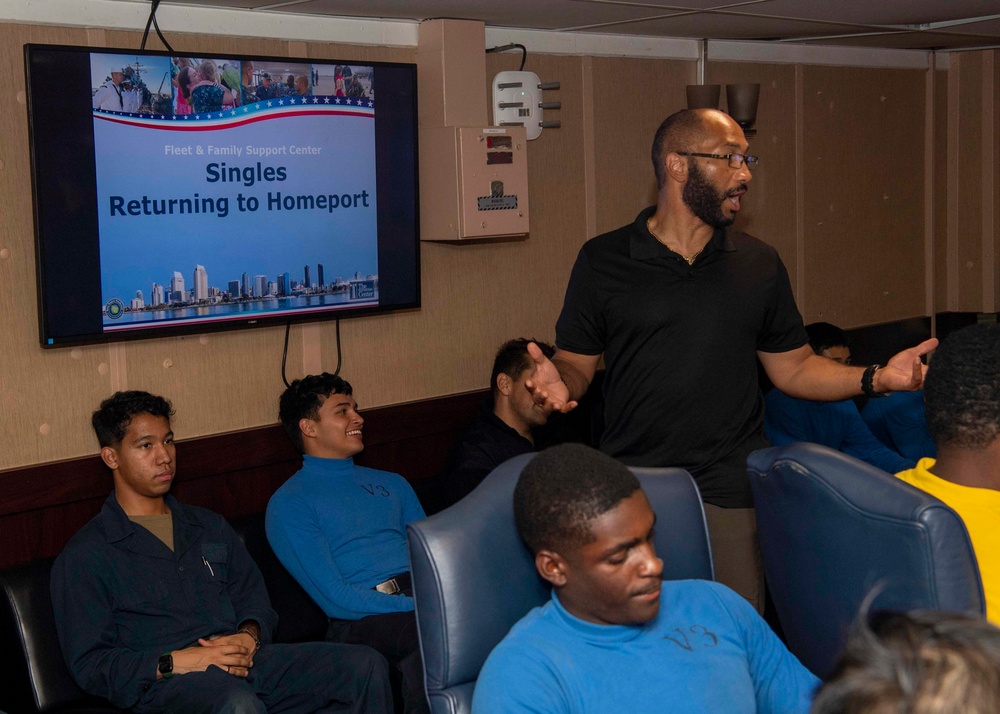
706, 651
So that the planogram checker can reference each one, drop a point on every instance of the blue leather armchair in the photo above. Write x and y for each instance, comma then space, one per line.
834, 531
473, 578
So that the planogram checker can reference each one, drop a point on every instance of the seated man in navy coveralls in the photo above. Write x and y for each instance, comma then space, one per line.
159, 607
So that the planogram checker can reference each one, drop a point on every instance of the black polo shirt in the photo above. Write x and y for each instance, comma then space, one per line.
487, 444
679, 344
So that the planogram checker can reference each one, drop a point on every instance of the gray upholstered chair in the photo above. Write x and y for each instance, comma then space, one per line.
834, 531
473, 578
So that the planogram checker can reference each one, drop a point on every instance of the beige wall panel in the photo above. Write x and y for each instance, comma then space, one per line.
941, 118
46, 396
863, 257
769, 209
478, 294
863, 194
631, 98
968, 203
475, 296
193, 43
362, 52
218, 382
223, 44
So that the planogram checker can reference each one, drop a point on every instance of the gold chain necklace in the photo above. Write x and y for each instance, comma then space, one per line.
689, 259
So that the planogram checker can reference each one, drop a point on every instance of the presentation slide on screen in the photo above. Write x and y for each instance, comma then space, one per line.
229, 187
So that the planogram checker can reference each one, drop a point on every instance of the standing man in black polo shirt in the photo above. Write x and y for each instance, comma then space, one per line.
679, 308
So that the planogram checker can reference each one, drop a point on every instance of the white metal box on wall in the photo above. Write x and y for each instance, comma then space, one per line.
473, 182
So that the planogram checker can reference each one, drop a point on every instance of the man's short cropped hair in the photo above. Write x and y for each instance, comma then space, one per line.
919, 663
304, 397
823, 336
513, 358
962, 389
679, 132
562, 490
112, 418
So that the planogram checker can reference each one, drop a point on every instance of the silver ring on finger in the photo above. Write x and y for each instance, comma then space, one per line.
227, 670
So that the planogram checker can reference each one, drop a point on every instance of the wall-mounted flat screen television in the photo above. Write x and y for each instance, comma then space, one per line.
179, 193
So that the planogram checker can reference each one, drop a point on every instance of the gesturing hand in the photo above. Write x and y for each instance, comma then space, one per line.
904, 372
546, 385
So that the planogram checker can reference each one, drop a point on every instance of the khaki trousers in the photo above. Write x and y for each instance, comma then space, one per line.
735, 551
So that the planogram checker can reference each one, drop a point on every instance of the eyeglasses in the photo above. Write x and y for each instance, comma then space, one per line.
735, 160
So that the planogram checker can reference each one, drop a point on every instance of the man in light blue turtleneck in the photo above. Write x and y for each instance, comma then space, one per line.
340, 529
615, 637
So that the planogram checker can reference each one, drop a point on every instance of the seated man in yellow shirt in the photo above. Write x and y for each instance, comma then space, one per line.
962, 395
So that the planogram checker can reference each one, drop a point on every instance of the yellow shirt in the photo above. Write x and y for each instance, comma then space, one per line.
980, 509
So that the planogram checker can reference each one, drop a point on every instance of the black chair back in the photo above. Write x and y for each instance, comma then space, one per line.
36, 678
33, 674
300, 619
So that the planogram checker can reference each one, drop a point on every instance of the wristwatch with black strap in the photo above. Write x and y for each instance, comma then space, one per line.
867, 382
166, 665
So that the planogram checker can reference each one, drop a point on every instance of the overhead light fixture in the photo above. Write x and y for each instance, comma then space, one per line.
741, 105
741, 102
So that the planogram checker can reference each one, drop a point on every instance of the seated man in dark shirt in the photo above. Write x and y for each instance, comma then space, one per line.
900, 422
503, 431
834, 424
159, 607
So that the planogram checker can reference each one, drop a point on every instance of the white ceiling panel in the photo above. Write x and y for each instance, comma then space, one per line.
549, 14
881, 12
926, 24
907, 41
739, 27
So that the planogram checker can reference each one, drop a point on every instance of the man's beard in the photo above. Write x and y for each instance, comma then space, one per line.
704, 201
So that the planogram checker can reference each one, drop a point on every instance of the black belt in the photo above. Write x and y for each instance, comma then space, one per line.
394, 585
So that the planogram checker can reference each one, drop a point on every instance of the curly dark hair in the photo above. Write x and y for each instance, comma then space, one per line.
304, 397
112, 418
677, 133
962, 389
823, 336
562, 490
921, 662
513, 358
